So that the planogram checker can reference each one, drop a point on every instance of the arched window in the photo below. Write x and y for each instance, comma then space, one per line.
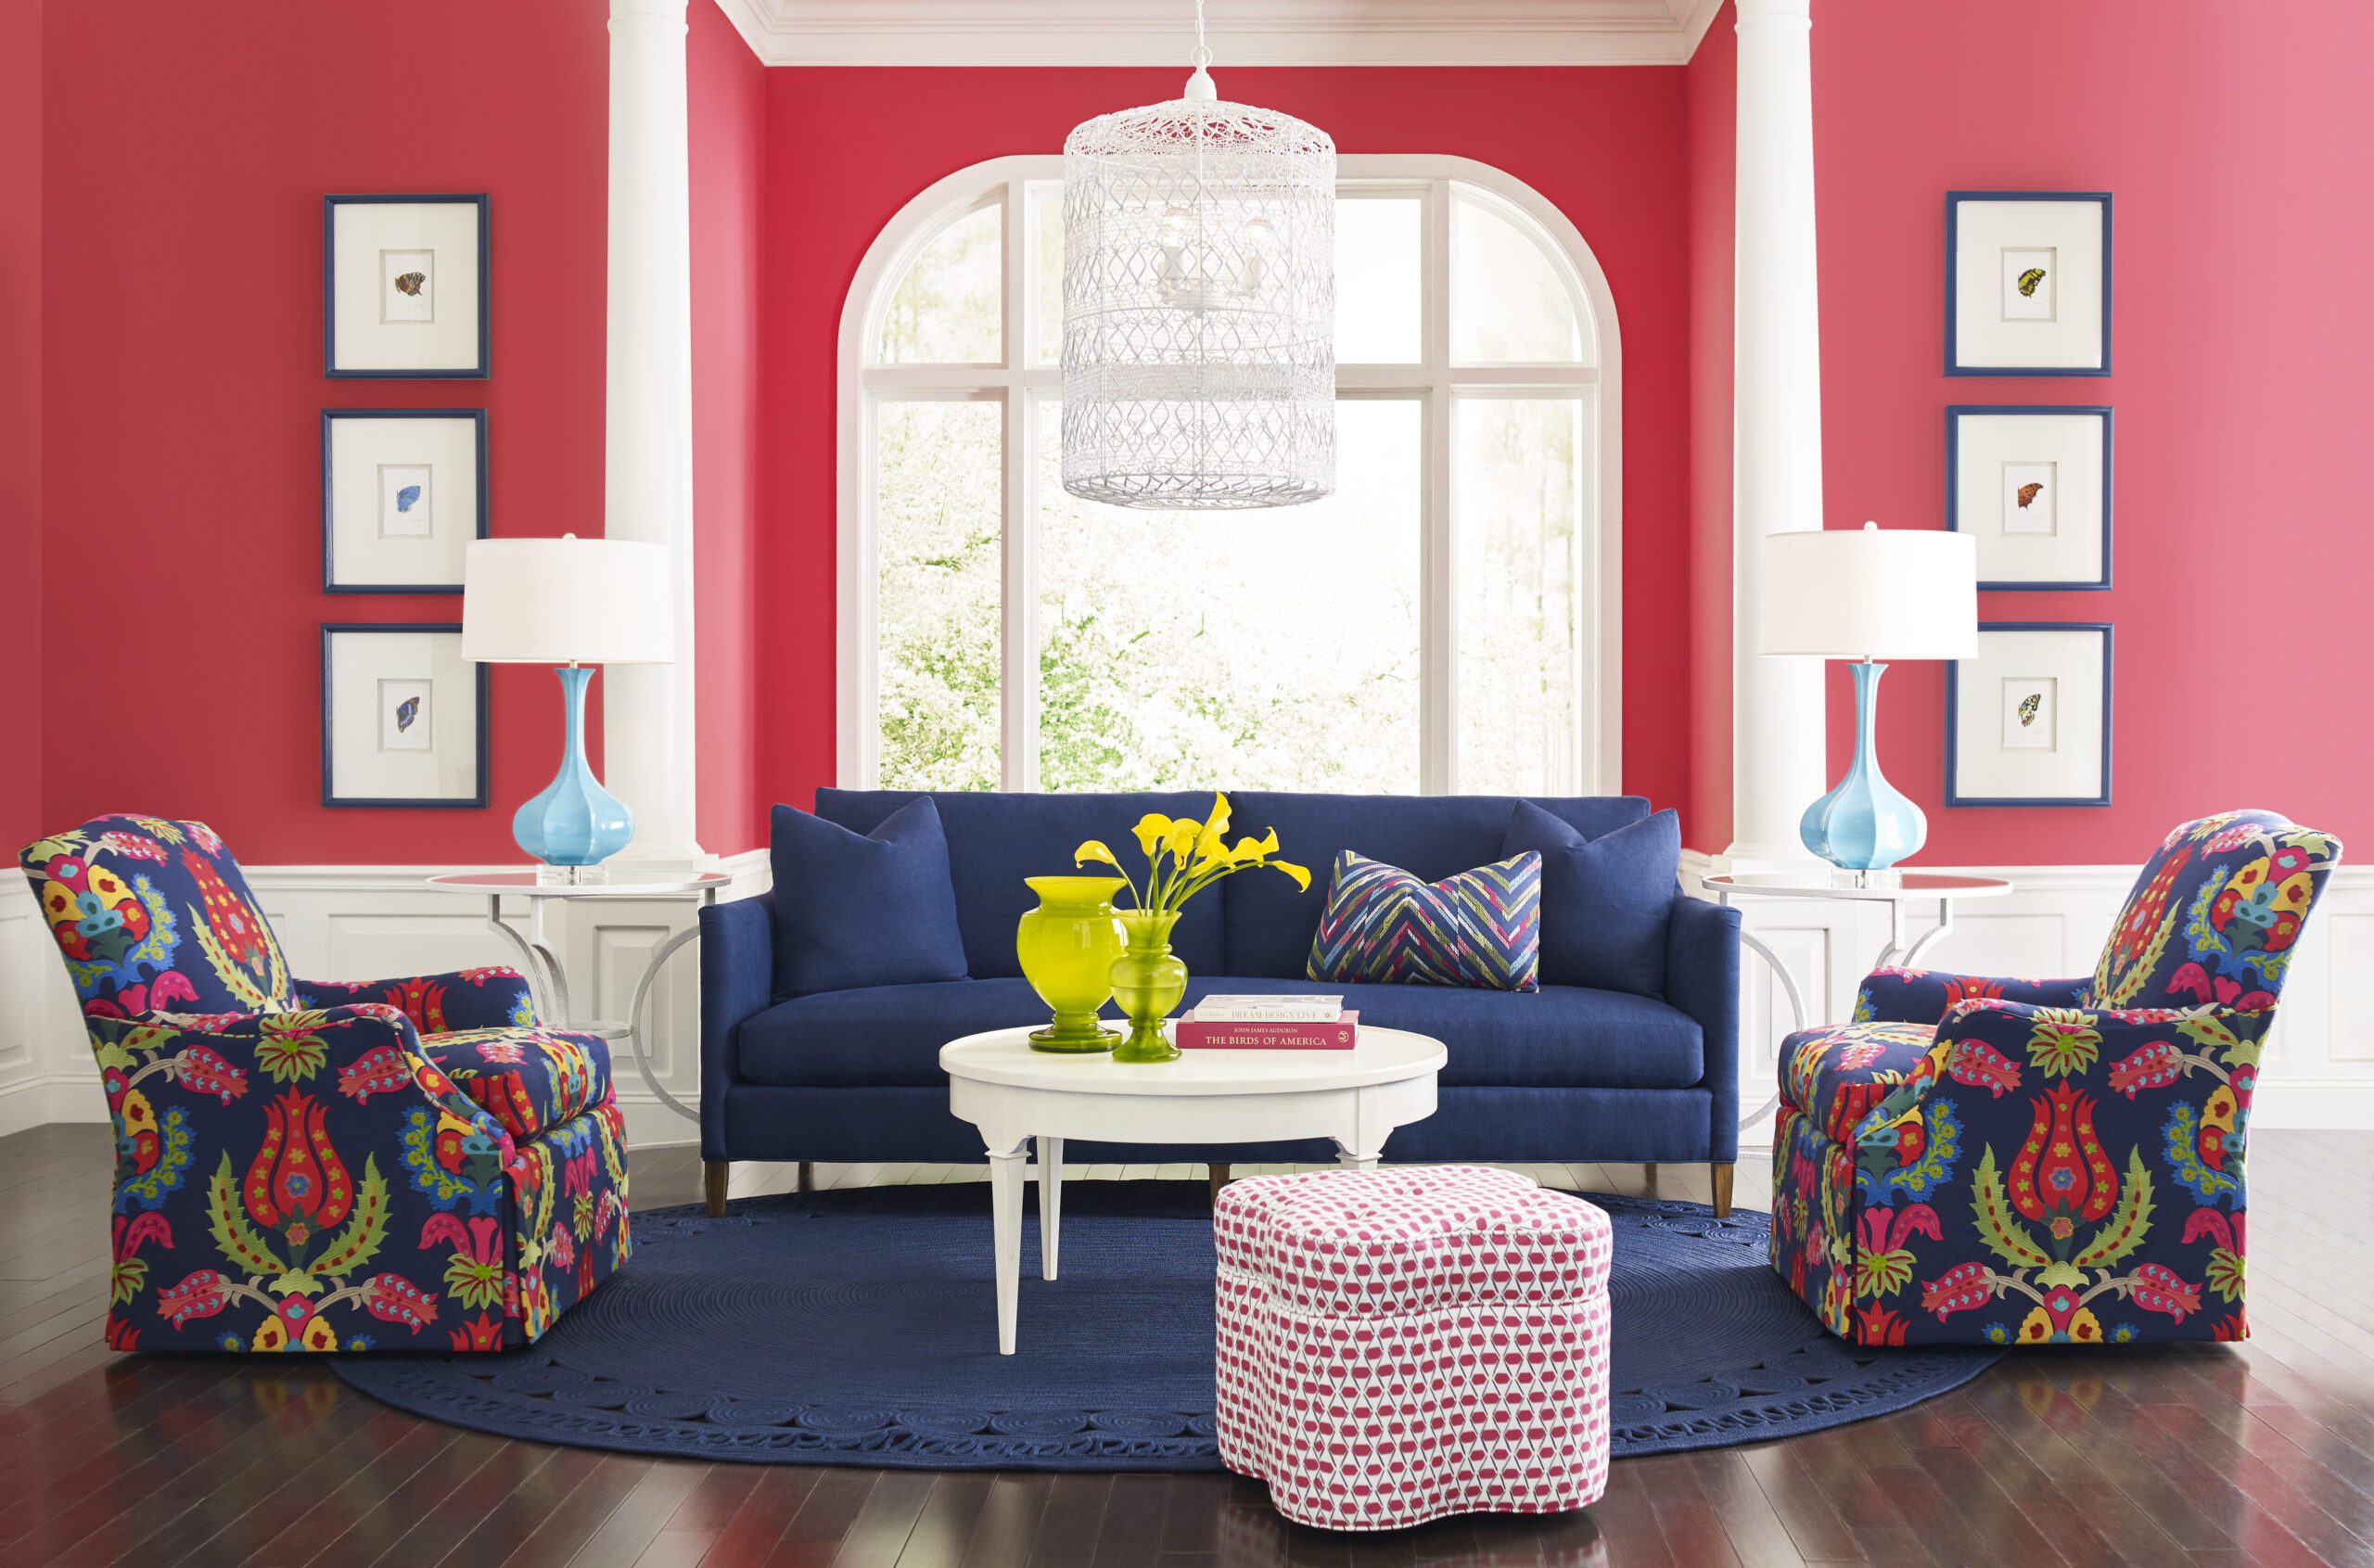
1447, 620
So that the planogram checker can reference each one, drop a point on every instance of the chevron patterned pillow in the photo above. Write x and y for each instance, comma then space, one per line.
1481, 929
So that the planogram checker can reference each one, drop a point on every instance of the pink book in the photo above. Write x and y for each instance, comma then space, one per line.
1195, 1034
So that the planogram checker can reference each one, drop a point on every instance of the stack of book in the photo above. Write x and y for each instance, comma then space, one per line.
1269, 1023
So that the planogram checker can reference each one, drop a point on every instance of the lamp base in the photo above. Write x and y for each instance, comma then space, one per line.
575, 822
1865, 824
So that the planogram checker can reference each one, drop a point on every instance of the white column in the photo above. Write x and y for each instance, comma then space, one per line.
1777, 713
648, 748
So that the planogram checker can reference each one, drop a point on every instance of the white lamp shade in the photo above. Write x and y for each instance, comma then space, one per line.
1871, 592
567, 600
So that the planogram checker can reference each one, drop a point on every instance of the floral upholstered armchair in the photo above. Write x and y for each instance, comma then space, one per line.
300, 1166
2051, 1161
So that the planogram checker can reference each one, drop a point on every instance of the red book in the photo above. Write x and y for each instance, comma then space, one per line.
1195, 1034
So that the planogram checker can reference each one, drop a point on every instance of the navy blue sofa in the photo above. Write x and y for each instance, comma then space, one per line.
1565, 1073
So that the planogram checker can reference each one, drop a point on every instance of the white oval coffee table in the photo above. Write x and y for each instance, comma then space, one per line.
1355, 1098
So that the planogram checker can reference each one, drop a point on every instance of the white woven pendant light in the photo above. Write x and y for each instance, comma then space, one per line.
1199, 304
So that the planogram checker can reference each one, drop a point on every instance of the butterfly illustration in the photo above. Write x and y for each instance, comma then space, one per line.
409, 709
2028, 281
411, 283
410, 493
2028, 705
2027, 493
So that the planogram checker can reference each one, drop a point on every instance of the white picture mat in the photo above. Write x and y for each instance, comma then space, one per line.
360, 551
360, 231
2071, 444
1986, 768
361, 769
2071, 337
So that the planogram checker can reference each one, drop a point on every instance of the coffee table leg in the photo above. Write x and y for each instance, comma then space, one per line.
1349, 1160
1006, 1211
1051, 1202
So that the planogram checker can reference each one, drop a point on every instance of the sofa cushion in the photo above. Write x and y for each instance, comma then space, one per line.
1604, 900
1561, 1035
871, 907
995, 840
1270, 924
1480, 929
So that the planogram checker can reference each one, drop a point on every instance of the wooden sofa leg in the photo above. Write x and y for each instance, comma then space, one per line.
1218, 1180
1722, 1191
807, 1176
714, 1176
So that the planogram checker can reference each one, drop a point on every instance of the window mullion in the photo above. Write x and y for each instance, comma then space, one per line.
1018, 578
1438, 612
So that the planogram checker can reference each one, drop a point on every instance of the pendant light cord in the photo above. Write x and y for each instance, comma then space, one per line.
1202, 55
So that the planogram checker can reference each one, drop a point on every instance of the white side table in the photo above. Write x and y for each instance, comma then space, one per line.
1898, 891
1013, 1094
548, 978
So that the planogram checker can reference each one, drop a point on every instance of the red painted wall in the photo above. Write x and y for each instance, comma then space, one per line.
1710, 89
186, 160
2236, 153
729, 110
21, 742
848, 147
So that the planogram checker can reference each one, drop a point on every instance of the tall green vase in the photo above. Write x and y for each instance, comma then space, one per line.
1067, 946
1147, 982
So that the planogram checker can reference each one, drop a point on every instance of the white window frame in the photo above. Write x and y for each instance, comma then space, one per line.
1016, 383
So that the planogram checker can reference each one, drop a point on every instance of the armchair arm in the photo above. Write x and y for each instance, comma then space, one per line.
737, 983
1926, 995
1702, 980
308, 1171
495, 998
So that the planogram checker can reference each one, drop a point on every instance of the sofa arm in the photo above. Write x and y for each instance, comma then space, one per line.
737, 983
1702, 980
495, 998
1926, 995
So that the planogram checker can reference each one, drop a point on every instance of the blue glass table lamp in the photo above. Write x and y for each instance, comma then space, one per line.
1868, 594
570, 603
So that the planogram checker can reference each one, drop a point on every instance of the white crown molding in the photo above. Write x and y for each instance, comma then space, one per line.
1158, 32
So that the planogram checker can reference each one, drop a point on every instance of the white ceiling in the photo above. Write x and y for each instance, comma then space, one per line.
946, 32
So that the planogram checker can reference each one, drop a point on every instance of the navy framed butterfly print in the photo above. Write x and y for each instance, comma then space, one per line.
2028, 716
403, 716
403, 492
406, 287
2027, 283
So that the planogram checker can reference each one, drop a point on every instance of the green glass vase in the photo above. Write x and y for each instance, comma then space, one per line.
1147, 981
1067, 946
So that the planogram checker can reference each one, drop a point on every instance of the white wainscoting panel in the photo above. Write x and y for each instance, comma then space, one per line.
371, 922
2318, 1070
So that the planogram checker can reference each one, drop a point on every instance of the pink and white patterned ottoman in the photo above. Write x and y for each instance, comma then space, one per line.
1396, 1345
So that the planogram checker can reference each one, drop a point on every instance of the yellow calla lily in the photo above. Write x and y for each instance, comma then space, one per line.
1094, 849
1185, 834
1152, 828
1213, 843
1300, 873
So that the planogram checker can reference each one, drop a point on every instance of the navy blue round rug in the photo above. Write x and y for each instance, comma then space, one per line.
860, 1328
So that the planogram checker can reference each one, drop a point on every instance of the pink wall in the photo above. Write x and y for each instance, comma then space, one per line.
850, 146
183, 383
2237, 154
21, 423
1709, 90
729, 109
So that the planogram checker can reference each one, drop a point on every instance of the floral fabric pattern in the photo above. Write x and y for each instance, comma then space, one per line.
2051, 1161
294, 1170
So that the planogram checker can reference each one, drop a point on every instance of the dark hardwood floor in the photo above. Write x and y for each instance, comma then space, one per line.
2212, 1457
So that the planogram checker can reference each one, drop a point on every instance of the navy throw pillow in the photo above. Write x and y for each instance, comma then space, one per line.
864, 909
1604, 900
